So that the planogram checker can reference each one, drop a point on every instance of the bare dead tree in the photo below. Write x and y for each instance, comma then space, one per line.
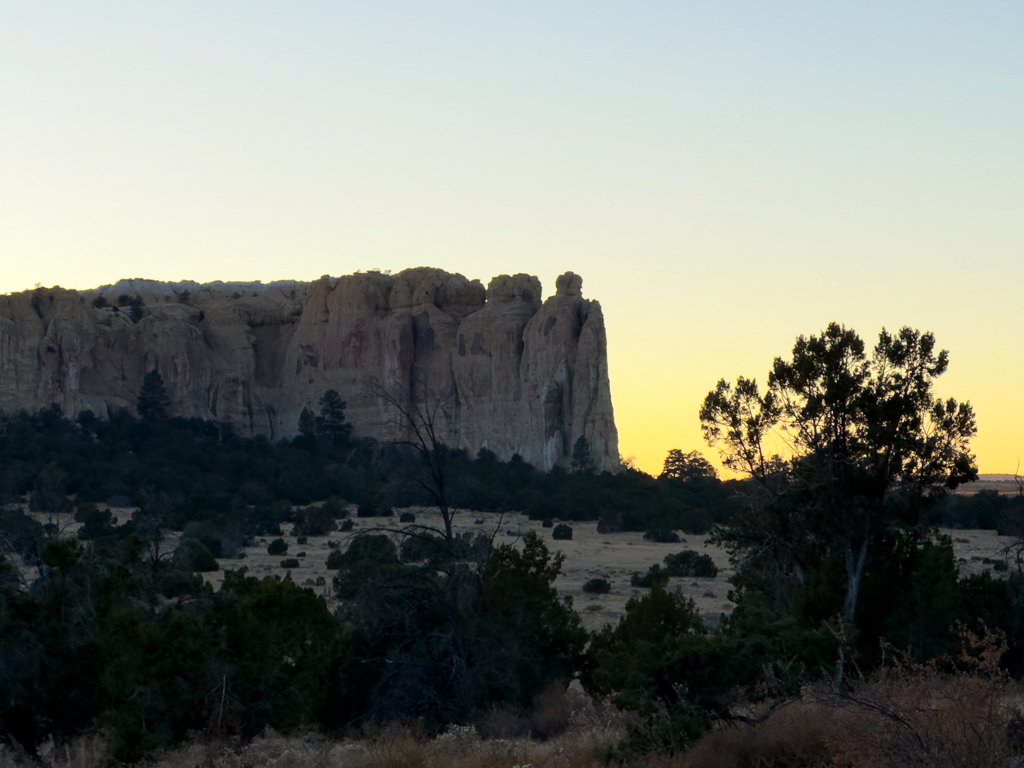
424, 425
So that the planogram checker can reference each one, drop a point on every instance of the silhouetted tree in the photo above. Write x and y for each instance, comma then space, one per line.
331, 421
582, 462
153, 400
686, 466
870, 445
307, 423
425, 425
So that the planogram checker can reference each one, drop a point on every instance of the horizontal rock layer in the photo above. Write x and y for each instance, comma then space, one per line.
500, 368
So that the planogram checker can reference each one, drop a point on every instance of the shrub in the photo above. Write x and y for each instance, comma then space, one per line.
562, 532
277, 547
372, 509
547, 523
203, 560
346, 525
99, 302
314, 521
662, 536
597, 586
291, 562
655, 576
407, 517
416, 549
302, 540
690, 563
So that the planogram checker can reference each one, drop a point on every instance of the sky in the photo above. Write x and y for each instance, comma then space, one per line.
724, 176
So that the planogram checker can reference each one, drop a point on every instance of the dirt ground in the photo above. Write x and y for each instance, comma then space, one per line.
588, 555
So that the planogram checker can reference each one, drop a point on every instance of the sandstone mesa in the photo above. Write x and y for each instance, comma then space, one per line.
516, 374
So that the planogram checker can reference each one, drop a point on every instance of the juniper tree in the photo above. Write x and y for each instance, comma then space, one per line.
153, 400
868, 446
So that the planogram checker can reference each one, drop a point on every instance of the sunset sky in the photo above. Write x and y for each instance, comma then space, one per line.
725, 176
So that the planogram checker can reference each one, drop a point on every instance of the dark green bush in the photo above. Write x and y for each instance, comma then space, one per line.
562, 532
314, 521
655, 576
277, 547
547, 523
416, 549
291, 562
690, 563
407, 517
203, 560
373, 509
662, 536
597, 586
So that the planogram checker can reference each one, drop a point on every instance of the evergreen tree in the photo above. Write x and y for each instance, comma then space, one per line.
331, 421
307, 423
153, 400
686, 466
582, 461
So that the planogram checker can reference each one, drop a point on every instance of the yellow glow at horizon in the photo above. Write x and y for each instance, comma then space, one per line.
725, 177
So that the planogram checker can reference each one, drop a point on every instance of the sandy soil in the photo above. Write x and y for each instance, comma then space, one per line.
588, 555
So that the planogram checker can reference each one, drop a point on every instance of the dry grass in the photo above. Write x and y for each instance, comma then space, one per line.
587, 733
908, 715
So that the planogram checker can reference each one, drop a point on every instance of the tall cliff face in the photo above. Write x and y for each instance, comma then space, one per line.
501, 368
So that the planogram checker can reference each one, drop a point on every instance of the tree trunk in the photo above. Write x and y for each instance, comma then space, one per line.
854, 573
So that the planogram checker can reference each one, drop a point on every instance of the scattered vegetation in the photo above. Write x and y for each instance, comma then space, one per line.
452, 648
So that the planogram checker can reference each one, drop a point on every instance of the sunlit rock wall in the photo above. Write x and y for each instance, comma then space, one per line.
498, 367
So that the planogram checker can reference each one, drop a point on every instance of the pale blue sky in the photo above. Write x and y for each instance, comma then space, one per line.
724, 176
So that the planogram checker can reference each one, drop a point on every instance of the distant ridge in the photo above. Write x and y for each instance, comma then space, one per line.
1003, 484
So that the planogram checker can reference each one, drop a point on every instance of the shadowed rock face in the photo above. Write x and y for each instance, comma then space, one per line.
501, 368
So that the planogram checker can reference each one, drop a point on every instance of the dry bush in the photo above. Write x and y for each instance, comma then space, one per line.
89, 750
504, 722
796, 736
915, 715
591, 729
552, 711
907, 715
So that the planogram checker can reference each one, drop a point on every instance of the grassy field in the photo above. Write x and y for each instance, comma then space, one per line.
612, 556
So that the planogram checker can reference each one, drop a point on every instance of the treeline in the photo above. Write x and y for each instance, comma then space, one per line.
179, 471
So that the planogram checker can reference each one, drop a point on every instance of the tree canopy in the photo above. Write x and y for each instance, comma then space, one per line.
866, 446
686, 466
